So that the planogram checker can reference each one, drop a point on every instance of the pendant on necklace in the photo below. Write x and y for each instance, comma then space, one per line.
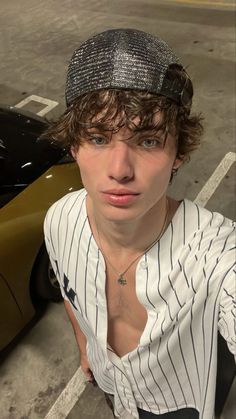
122, 280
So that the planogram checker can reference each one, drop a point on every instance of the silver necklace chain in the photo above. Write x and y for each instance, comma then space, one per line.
121, 280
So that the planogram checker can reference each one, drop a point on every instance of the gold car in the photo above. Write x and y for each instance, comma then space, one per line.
33, 175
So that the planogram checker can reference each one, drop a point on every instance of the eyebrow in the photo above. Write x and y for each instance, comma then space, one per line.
102, 127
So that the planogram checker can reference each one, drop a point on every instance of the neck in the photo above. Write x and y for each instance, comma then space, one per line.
135, 235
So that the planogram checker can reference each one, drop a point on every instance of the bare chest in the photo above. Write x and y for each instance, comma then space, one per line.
122, 300
127, 317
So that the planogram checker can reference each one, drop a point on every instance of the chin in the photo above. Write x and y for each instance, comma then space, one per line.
123, 215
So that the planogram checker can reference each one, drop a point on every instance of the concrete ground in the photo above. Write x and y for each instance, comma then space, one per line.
37, 41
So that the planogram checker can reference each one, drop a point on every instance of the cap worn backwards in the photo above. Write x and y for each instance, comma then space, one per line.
124, 59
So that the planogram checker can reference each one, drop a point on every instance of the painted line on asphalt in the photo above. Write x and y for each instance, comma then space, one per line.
213, 182
49, 104
77, 384
69, 396
204, 3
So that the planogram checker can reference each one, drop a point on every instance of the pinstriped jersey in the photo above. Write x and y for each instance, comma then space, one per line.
186, 282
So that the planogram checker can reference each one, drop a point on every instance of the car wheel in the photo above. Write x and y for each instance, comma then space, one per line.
45, 284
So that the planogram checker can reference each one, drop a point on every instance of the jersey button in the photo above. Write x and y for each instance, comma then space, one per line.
144, 265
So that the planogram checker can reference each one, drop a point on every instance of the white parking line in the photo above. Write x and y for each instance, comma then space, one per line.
206, 3
50, 104
69, 396
75, 387
215, 179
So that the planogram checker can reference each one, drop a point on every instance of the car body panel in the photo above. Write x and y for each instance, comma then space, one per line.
21, 235
11, 319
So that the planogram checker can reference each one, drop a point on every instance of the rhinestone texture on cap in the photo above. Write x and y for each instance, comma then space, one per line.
122, 59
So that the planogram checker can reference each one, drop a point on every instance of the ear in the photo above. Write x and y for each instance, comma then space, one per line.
74, 152
177, 163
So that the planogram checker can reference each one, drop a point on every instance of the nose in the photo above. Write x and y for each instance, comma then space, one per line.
121, 163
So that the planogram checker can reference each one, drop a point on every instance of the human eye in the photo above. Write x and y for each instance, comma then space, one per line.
150, 143
97, 140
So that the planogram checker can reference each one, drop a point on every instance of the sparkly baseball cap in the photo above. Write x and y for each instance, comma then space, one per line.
126, 59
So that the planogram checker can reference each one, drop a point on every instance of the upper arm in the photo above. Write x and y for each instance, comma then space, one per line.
227, 314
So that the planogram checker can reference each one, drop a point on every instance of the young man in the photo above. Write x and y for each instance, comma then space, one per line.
147, 280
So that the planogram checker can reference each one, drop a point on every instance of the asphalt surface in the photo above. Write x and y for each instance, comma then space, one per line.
37, 41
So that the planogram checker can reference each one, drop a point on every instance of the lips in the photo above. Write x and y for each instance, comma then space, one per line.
120, 197
120, 192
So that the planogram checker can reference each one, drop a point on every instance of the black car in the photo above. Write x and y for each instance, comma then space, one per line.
34, 173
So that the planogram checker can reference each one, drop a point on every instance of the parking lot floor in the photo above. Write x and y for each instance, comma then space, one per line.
37, 41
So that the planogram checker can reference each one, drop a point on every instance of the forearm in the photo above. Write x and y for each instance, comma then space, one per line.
80, 337
81, 340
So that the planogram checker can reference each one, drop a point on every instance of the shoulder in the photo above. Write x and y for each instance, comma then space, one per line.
213, 234
202, 242
193, 222
206, 217
65, 206
206, 221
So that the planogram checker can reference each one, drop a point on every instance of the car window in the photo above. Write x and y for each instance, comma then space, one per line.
23, 156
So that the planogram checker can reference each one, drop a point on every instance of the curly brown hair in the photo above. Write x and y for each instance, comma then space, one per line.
111, 109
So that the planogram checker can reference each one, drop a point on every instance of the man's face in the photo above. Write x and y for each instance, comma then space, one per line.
126, 175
